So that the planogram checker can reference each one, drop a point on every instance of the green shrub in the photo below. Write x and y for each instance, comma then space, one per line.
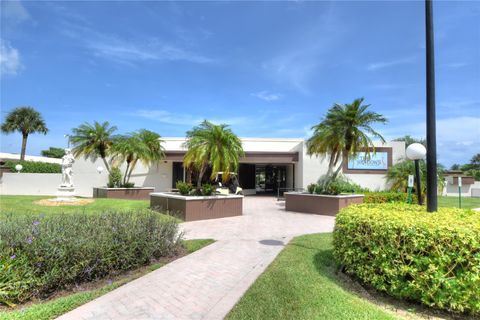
311, 188
384, 197
114, 178
431, 258
207, 189
184, 188
333, 185
41, 254
128, 185
34, 167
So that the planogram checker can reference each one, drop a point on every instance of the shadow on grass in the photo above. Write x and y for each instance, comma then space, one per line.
326, 266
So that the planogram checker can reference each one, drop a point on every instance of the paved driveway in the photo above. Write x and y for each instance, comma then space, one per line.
207, 284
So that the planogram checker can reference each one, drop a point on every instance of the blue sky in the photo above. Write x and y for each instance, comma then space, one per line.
269, 69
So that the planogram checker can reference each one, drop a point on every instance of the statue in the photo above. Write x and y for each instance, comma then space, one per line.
67, 172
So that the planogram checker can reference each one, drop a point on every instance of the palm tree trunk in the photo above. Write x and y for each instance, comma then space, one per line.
24, 146
200, 175
134, 162
106, 164
344, 158
126, 173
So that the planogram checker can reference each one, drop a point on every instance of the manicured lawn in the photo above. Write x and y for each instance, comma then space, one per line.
301, 284
56, 307
26, 204
467, 203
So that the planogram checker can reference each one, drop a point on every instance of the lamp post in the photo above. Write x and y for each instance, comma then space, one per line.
417, 152
431, 122
18, 167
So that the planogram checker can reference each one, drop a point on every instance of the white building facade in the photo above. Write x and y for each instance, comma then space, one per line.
269, 164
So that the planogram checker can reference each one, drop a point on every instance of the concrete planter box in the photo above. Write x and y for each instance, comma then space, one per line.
192, 208
140, 193
319, 204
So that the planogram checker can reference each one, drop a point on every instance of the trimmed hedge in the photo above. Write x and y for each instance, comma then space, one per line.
41, 254
431, 258
34, 167
386, 197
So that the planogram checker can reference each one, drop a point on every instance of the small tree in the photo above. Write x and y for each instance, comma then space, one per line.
93, 141
25, 120
53, 152
212, 145
143, 145
345, 130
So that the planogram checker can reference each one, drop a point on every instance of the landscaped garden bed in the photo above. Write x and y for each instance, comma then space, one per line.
319, 204
191, 208
134, 193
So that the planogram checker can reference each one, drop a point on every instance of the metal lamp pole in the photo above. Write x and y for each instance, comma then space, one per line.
418, 182
431, 122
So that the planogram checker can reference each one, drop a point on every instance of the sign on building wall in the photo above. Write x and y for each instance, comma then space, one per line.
377, 161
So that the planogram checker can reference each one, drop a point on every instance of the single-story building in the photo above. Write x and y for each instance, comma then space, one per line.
269, 164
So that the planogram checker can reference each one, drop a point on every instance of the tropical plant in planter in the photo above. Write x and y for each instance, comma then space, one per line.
215, 146
144, 146
93, 141
345, 130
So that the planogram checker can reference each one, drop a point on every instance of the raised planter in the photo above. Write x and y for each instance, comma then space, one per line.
192, 208
319, 203
140, 193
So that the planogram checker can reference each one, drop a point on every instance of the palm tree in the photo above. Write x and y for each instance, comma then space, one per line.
25, 120
212, 145
397, 175
144, 146
93, 141
346, 130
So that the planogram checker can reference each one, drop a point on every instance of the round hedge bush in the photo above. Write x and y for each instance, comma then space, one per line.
431, 258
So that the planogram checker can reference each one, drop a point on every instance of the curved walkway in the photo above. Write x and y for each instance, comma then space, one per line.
206, 284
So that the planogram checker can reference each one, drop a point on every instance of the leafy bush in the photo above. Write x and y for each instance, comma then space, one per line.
41, 254
127, 185
53, 152
432, 258
207, 189
333, 185
114, 178
34, 167
384, 197
311, 188
184, 188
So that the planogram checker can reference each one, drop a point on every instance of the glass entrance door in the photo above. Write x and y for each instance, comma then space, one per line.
268, 178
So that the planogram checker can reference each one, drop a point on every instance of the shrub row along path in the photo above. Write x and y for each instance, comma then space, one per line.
208, 283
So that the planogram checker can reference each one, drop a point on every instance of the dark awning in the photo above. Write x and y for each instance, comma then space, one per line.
250, 156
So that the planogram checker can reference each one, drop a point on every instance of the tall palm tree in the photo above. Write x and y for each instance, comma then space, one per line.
93, 140
144, 146
345, 130
212, 145
25, 120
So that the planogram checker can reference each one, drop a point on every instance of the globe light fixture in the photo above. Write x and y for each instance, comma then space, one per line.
99, 169
18, 167
417, 152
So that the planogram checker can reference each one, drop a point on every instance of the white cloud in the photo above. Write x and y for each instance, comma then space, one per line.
186, 119
9, 59
386, 64
265, 95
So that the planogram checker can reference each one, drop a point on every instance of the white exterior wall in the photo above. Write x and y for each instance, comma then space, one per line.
466, 191
30, 184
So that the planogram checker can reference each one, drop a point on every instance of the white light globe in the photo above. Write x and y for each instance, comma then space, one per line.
99, 169
416, 151
18, 167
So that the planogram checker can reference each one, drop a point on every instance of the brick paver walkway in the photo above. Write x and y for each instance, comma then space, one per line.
207, 284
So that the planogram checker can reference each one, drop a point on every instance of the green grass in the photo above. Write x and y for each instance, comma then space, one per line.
56, 307
25, 204
467, 203
301, 284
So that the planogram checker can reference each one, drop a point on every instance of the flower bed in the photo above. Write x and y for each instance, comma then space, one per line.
431, 258
191, 208
319, 203
41, 254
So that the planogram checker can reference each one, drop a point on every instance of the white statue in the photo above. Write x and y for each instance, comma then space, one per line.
67, 172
